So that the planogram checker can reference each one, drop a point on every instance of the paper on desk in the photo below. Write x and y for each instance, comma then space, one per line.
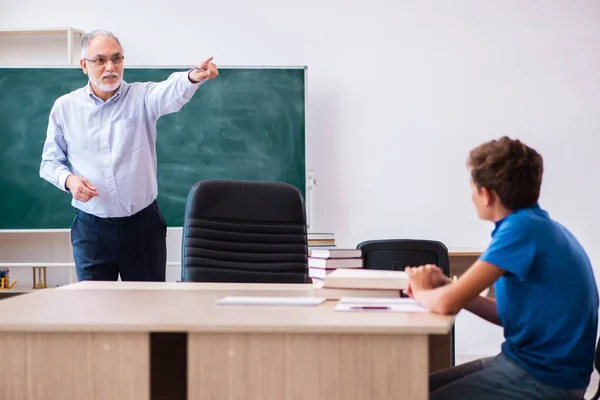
378, 300
270, 301
407, 307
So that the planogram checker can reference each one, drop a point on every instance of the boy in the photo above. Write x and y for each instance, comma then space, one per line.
546, 294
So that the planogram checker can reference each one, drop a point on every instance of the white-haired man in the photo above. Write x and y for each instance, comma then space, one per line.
101, 147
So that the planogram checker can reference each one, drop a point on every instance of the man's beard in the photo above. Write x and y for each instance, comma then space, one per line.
107, 87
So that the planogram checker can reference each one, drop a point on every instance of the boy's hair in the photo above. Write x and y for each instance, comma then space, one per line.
510, 168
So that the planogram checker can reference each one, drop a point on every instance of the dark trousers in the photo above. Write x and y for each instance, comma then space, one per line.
493, 378
134, 247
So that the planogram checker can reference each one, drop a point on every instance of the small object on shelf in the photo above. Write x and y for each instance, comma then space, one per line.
5, 279
39, 278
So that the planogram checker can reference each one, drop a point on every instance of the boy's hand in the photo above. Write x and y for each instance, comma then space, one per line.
424, 278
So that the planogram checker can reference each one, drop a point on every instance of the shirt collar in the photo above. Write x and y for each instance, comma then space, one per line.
497, 224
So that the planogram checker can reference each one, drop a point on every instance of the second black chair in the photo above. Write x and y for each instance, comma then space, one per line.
397, 254
244, 231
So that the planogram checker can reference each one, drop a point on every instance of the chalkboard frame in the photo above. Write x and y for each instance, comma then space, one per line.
303, 187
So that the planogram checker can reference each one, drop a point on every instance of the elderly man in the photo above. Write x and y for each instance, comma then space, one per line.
101, 147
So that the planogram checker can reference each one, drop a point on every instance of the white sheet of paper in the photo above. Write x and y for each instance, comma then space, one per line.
270, 301
378, 300
380, 307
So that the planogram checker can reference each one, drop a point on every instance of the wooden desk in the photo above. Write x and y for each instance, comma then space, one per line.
103, 285
96, 344
440, 346
299, 289
472, 253
461, 260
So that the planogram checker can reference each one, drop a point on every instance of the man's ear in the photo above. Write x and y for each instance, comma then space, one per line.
83, 66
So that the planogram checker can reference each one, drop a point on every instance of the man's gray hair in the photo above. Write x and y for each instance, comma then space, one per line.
87, 39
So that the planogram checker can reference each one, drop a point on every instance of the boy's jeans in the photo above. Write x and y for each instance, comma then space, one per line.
493, 378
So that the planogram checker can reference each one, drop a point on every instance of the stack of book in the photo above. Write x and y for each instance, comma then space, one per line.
334, 268
322, 262
320, 241
366, 279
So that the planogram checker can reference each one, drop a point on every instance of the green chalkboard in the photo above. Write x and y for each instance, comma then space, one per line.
248, 123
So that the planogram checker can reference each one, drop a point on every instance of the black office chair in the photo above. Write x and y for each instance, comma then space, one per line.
397, 254
244, 231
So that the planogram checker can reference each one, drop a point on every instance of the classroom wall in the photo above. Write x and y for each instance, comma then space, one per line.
398, 92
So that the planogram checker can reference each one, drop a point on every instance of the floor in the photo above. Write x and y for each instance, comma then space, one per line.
460, 359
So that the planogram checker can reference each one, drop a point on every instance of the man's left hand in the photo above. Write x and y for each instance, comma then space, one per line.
204, 71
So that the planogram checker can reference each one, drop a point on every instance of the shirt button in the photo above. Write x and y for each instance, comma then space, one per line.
105, 162
104, 143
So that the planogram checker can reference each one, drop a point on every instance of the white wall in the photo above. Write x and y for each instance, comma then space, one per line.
398, 92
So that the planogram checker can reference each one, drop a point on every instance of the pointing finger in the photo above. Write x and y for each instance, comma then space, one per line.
204, 64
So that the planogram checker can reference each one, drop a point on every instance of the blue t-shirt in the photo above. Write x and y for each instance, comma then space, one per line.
547, 300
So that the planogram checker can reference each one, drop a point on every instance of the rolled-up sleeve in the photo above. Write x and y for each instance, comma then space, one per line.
55, 166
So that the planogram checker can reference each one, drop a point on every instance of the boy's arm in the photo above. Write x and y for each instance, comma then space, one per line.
485, 308
513, 250
450, 299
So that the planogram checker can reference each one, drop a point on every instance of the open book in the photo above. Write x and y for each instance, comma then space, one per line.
359, 278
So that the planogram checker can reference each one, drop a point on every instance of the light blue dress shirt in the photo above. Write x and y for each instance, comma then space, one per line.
112, 144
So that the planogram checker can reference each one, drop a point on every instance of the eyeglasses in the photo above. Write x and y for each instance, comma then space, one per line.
102, 60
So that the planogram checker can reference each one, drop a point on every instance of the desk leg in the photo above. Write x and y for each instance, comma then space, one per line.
440, 352
74, 366
273, 366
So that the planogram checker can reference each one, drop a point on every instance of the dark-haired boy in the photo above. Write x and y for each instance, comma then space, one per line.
546, 294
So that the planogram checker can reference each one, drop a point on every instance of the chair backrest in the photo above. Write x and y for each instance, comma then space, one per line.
244, 231
396, 254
